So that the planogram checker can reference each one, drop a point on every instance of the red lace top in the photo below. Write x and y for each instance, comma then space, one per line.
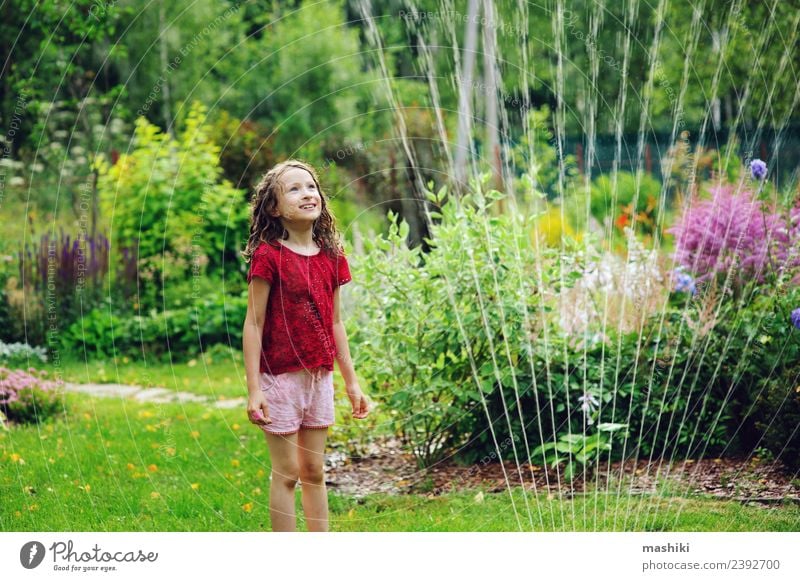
298, 326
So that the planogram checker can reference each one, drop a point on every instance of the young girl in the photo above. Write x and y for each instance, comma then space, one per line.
292, 334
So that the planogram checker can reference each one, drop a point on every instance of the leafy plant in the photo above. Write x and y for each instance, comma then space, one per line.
15, 354
169, 194
440, 330
578, 451
175, 333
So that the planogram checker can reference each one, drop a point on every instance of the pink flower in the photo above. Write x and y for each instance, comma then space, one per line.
734, 231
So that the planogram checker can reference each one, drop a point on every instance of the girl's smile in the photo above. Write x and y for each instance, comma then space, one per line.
300, 199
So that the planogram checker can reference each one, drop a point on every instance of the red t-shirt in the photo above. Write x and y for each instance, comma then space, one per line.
298, 326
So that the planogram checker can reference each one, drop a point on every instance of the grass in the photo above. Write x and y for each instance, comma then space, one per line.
120, 465
212, 375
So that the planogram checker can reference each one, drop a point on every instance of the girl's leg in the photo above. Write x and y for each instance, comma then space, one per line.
285, 472
311, 450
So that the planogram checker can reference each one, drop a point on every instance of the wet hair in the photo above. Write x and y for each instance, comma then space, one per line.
267, 228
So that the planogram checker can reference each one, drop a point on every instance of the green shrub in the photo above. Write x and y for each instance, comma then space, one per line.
21, 354
173, 334
422, 334
778, 417
454, 341
759, 353
169, 195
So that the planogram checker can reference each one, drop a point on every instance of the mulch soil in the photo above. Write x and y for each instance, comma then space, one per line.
387, 468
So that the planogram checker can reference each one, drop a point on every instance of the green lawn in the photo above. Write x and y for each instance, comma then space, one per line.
118, 465
213, 376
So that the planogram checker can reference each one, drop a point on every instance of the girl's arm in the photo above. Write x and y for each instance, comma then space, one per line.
258, 293
354, 393
343, 358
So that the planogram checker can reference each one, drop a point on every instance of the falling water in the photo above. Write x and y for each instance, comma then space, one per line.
648, 511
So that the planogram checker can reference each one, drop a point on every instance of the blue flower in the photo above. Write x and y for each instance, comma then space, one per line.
758, 169
684, 282
796, 318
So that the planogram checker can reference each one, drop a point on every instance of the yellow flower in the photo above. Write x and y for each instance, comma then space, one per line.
150, 428
236, 427
234, 463
85, 487
192, 363
206, 415
152, 468
247, 507
15, 457
126, 360
131, 466
145, 414
257, 491
195, 434
155, 495
195, 485
87, 415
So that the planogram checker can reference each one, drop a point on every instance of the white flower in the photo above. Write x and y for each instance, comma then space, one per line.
589, 404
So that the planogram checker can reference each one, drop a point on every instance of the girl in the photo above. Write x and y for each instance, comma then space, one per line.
292, 334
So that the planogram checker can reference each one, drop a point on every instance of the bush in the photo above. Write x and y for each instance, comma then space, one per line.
173, 334
778, 417
194, 220
28, 397
16, 354
615, 204
422, 335
759, 350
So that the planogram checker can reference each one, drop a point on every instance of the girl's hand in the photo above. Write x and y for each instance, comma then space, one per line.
358, 400
257, 409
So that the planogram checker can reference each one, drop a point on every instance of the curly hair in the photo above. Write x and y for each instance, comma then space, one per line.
266, 228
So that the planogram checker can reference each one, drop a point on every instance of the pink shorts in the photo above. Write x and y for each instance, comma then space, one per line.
298, 399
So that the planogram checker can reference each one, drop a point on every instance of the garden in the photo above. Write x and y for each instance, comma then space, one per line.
547, 344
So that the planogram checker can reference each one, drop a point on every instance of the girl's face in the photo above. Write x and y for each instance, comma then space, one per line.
300, 200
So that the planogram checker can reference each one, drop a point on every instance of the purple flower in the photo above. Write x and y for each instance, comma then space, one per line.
796, 318
684, 282
734, 231
758, 169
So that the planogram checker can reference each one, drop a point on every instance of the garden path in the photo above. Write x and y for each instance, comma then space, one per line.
151, 394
